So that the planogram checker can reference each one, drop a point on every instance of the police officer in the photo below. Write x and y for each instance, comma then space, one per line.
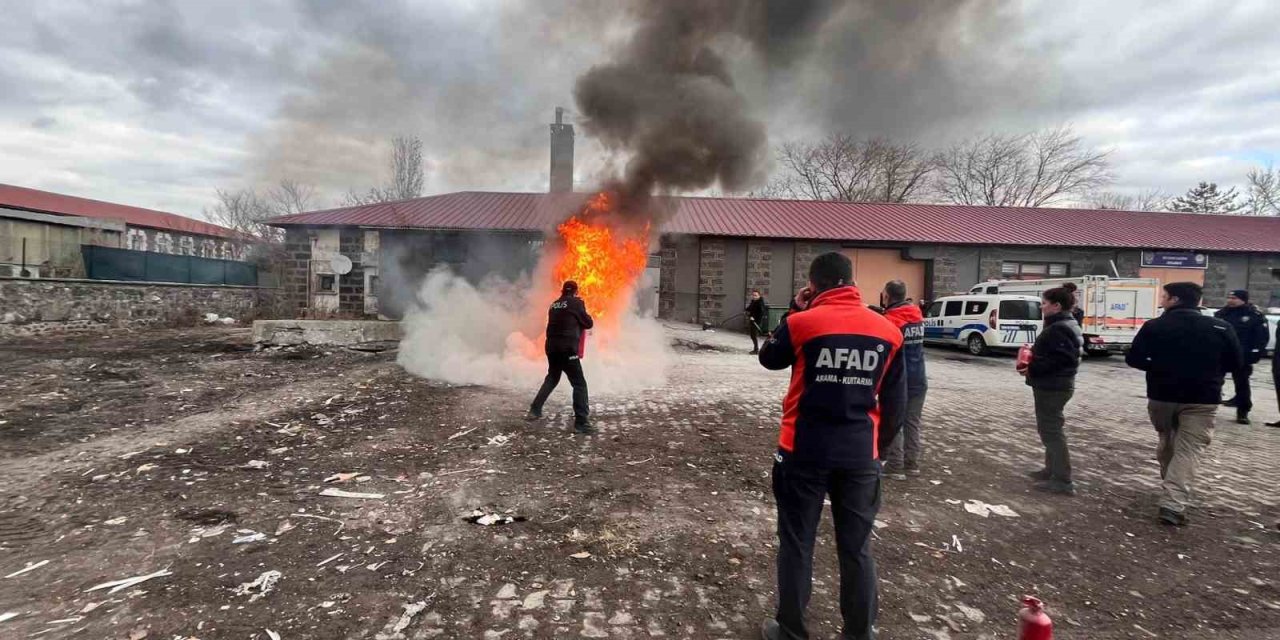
1186, 356
903, 456
1250, 325
846, 398
567, 324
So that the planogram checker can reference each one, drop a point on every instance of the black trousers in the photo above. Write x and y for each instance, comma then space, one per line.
570, 365
855, 499
1244, 395
754, 329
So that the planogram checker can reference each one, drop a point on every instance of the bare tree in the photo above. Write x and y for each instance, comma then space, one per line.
291, 196
247, 210
1264, 191
1145, 200
841, 167
407, 175
1029, 170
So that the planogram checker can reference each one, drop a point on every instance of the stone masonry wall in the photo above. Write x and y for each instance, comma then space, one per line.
1264, 280
351, 285
297, 245
759, 266
35, 307
711, 294
805, 253
667, 278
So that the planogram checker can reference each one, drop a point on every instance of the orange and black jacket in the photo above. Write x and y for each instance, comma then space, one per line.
848, 390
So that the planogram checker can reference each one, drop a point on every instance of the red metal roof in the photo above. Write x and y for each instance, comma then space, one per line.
56, 203
840, 221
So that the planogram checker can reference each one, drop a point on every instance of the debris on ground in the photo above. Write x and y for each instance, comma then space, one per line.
484, 519
28, 568
8, 615
341, 477
125, 583
980, 508
248, 535
339, 493
261, 586
394, 629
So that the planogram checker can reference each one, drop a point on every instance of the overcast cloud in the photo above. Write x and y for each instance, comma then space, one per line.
156, 103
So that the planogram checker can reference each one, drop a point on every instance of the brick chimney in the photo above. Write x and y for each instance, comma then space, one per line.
561, 154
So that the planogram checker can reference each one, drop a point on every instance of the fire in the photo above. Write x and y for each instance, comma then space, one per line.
605, 261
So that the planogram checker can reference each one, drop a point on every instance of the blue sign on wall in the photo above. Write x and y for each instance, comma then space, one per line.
1175, 259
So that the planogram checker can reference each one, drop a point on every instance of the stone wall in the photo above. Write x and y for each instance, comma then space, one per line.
804, 255
711, 294
1264, 280
759, 266
667, 277
351, 285
34, 307
297, 265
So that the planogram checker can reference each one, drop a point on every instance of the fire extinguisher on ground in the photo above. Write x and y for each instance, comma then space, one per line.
1033, 623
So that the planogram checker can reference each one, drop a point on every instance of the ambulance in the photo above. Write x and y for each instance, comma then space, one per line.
1114, 308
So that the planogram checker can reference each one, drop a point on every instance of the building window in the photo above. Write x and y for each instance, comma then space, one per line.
224, 250
187, 246
208, 249
328, 283
137, 239
1034, 270
164, 243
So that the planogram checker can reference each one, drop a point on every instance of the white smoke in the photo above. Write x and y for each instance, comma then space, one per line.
491, 335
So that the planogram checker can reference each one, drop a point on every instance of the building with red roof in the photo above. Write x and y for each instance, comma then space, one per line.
41, 232
710, 252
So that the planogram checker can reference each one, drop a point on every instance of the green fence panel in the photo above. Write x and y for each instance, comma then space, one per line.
105, 263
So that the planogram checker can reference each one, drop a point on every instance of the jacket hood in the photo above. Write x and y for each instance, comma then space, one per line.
904, 313
845, 295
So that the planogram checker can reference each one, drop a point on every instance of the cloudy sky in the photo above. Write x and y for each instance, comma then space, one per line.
156, 103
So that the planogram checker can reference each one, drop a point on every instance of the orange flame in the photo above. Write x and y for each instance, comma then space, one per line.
605, 261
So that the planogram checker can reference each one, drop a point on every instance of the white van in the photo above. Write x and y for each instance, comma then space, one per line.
982, 322
1114, 308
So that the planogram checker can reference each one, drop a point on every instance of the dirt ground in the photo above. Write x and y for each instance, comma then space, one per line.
189, 454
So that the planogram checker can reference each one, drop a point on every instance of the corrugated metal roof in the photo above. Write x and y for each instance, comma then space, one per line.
840, 221
59, 204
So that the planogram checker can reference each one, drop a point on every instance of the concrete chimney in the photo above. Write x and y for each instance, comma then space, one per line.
561, 154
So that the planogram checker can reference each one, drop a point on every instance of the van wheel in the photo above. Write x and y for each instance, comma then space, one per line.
977, 345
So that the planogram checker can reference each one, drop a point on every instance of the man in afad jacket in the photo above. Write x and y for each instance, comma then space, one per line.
903, 455
567, 324
846, 398
1251, 329
1186, 356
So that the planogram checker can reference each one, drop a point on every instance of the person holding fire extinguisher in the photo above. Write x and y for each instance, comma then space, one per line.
1051, 374
567, 324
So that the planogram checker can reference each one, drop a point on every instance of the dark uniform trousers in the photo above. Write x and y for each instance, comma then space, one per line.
570, 365
855, 500
1244, 395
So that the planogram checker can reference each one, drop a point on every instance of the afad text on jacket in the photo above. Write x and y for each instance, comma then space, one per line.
848, 390
907, 317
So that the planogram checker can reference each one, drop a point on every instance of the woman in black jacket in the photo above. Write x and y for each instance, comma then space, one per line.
1055, 358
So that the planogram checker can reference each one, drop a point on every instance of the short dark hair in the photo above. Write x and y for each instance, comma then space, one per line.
830, 270
1187, 293
569, 286
1061, 295
895, 290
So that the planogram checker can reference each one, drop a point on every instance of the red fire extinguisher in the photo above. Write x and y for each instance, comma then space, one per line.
1033, 624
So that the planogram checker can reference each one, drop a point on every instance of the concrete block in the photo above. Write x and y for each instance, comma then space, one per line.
325, 332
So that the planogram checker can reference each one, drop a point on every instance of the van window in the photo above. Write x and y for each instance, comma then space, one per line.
934, 311
1019, 310
975, 308
993, 289
953, 307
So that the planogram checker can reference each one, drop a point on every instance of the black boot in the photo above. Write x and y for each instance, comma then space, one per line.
1242, 417
1230, 403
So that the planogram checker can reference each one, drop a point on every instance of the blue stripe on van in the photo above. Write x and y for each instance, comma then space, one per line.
943, 333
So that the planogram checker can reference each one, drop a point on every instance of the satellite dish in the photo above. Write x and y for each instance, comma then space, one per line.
341, 264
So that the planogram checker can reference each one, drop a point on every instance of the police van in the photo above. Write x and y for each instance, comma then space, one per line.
983, 322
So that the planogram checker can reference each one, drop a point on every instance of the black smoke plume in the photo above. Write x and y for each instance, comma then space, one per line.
668, 100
